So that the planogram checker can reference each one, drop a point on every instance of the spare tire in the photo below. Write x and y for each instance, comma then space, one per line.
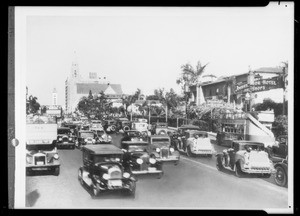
126, 128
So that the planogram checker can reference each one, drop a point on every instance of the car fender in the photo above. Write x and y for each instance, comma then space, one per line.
156, 155
283, 165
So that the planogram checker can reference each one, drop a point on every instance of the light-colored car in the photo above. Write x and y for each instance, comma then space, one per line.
246, 157
195, 142
142, 126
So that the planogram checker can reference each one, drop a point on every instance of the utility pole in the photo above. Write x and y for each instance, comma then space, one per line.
283, 79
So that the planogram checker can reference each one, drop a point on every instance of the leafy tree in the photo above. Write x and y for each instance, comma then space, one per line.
270, 104
190, 75
32, 106
280, 125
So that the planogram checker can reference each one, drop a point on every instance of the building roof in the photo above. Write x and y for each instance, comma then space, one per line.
84, 88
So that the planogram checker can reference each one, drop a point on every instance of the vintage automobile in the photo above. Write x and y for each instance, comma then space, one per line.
65, 139
159, 128
110, 125
162, 149
101, 137
281, 175
139, 159
85, 137
103, 170
123, 124
246, 157
141, 125
133, 135
195, 142
74, 128
280, 149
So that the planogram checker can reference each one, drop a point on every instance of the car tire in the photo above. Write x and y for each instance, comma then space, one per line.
280, 176
219, 163
132, 191
238, 171
126, 128
80, 176
95, 191
56, 171
189, 151
113, 128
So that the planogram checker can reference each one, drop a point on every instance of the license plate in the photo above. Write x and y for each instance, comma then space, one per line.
39, 163
116, 183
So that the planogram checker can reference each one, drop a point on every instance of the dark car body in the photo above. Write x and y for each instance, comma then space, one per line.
123, 124
103, 170
162, 149
73, 127
65, 139
110, 125
246, 157
85, 137
139, 158
281, 148
133, 135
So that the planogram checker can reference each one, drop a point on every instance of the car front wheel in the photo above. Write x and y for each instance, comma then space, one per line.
219, 164
280, 176
238, 171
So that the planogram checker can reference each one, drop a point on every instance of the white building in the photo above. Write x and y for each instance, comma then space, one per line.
76, 87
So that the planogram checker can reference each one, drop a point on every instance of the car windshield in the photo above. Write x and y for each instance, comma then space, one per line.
100, 133
63, 131
133, 148
87, 134
108, 158
157, 140
134, 133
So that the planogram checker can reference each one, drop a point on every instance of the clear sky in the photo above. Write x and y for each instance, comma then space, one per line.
145, 47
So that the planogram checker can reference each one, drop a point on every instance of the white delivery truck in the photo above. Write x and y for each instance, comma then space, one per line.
41, 151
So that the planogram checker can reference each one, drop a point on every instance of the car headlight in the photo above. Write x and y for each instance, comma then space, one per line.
117, 159
139, 161
105, 176
157, 149
109, 137
126, 175
172, 150
70, 139
56, 156
85, 140
60, 139
152, 160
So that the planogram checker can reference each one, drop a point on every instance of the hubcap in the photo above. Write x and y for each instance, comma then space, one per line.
279, 176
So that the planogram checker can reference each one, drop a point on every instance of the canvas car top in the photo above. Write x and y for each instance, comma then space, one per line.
103, 149
189, 126
134, 142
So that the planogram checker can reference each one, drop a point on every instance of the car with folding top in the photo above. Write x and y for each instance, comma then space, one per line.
139, 159
246, 157
162, 149
41, 150
101, 137
85, 137
65, 139
103, 170
195, 142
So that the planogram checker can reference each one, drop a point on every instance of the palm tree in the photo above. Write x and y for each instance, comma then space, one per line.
190, 75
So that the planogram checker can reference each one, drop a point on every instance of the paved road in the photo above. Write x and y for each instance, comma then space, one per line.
193, 183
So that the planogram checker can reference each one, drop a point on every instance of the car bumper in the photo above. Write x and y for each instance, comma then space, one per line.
169, 159
258, 171
65, 144
203, 152
137, 172
41, 167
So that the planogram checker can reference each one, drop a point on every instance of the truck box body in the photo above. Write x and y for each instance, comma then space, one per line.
41, 133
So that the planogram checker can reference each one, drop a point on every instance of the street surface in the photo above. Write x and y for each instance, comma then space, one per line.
194, 183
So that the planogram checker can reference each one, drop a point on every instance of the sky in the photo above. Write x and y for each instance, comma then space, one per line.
145, 47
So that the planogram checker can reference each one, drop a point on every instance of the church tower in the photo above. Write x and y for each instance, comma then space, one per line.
54, 97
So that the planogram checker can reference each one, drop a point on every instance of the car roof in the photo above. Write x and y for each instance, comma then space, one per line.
63, 128
159, 136
189, 126
135, 142
103, 149
245, 142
